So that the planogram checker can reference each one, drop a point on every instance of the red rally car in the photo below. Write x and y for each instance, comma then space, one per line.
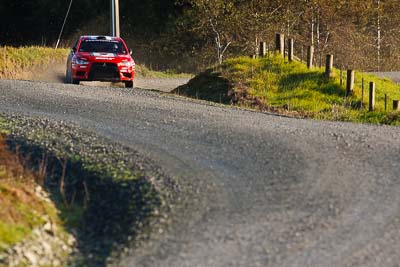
100, 58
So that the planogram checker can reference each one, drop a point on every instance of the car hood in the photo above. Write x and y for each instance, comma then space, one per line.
104, 57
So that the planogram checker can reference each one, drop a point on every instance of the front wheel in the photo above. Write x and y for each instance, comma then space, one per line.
129, 84
68, 76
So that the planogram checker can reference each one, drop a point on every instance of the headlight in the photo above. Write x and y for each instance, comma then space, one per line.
126, 63
80, 61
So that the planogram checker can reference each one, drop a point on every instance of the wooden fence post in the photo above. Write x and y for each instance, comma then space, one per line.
262, 49
396, 105
386, 100
371, 96
291, 49
280, 44
350, 82
328, 66
341, 76
362, 92
310, 56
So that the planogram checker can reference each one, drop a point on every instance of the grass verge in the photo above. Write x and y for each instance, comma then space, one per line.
21, 209
23, 62
272, 84
145, 72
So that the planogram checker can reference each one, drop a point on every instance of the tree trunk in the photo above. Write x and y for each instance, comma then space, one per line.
378, 34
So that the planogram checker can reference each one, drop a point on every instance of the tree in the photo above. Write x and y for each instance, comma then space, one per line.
212, 20
362, 34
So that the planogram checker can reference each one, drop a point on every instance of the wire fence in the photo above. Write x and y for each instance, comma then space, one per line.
373, 97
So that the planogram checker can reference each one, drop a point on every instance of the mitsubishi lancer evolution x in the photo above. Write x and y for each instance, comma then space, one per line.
100, 58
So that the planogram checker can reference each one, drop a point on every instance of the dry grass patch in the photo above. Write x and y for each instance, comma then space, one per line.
21, 210
23, 62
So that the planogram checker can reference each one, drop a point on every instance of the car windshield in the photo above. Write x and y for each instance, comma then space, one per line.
102, 47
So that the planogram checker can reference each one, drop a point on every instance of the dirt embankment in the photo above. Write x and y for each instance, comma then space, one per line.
107, 196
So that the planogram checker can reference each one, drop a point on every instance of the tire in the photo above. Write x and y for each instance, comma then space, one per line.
69, 79
129, 84
68, 76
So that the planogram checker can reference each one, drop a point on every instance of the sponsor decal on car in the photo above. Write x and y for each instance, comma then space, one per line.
104, 58
104, 54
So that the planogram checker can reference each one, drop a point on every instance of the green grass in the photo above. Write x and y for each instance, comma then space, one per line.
19, 63
71, 217
11, 234
143, 71
22, 211
275, 85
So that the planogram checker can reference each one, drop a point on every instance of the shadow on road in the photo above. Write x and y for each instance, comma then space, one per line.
102, 212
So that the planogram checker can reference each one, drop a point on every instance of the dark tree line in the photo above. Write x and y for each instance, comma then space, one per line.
363, 34
26, 22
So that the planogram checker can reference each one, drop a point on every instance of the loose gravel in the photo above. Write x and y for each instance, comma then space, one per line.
126, 197
260, 190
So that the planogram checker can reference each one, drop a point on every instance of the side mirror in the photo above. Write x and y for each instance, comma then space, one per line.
130, 52
73, 49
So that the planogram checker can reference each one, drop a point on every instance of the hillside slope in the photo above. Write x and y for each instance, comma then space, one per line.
275, 85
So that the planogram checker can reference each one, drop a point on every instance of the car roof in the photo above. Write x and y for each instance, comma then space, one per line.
101, 37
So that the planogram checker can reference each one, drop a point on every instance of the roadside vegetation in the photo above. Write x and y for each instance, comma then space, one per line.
24, 62
275, 85
21, 209
100, 191
27, 62
145, 72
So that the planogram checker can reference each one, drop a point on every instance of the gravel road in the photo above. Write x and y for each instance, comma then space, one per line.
268, 190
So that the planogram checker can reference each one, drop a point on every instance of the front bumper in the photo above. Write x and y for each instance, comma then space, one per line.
100, 71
